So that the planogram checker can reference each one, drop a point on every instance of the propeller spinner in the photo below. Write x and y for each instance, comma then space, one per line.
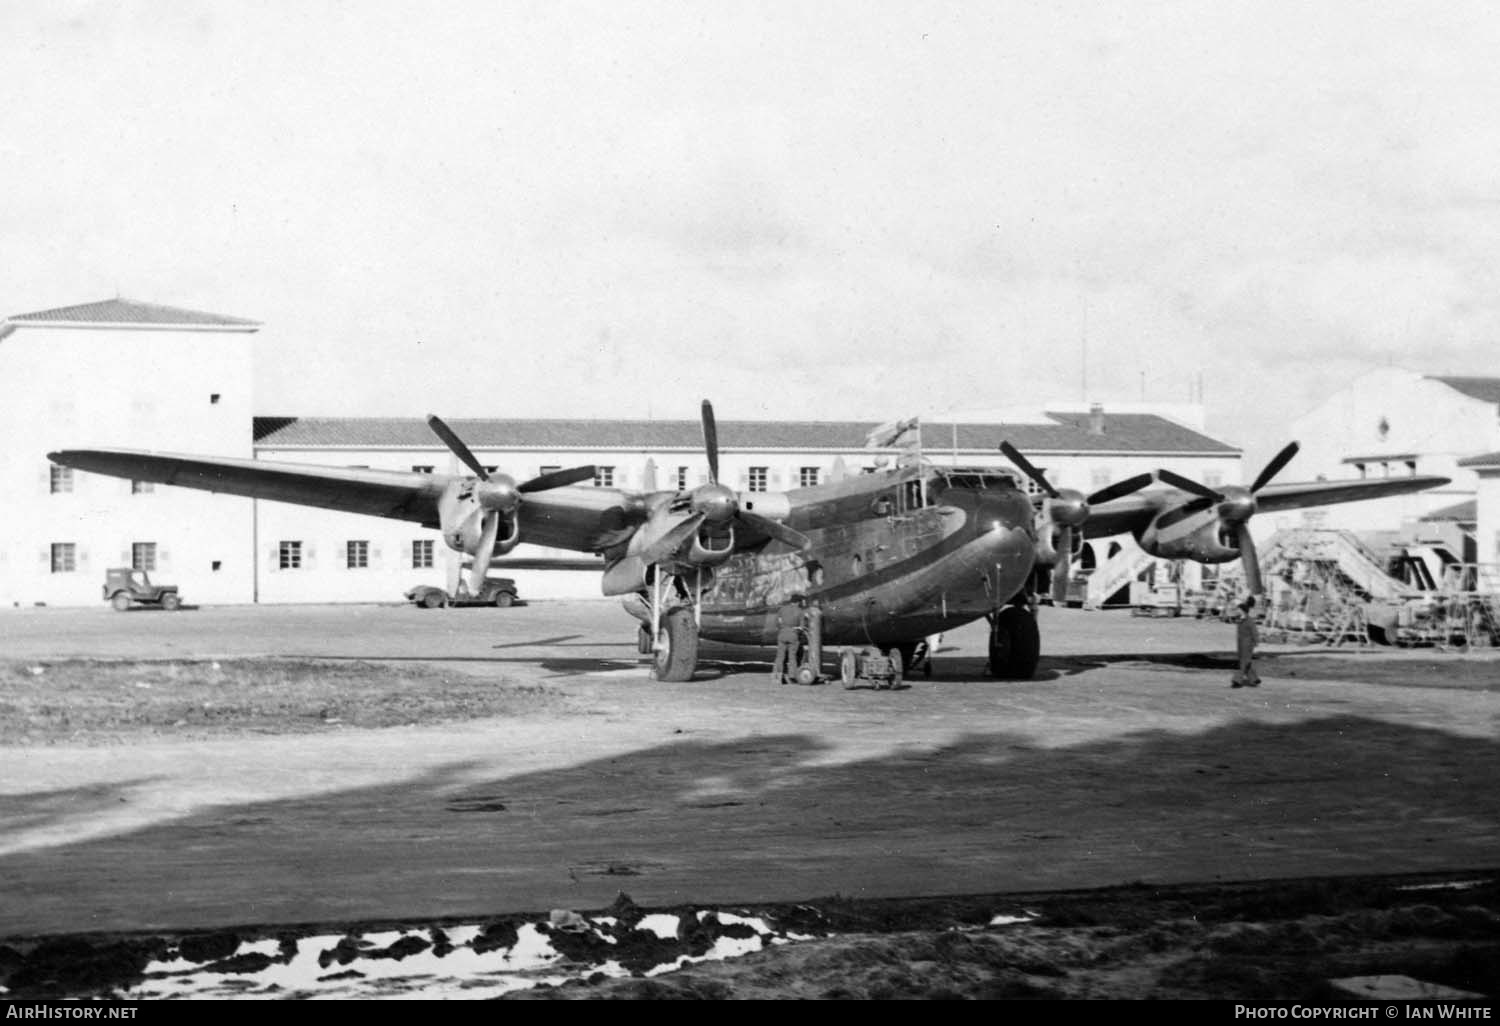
1236, 505
498, 495
1068, 510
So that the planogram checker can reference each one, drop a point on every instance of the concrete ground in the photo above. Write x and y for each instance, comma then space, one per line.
1128, 759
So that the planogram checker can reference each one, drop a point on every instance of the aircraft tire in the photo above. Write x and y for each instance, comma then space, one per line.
848, 669
676, 655
1015, 644
897, 657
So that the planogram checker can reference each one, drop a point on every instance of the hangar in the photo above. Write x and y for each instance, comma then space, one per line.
125, 374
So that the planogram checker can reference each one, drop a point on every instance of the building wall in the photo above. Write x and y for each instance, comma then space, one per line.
1488, 530
1419, 415
103, 388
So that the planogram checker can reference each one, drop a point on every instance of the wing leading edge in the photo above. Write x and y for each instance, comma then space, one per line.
399, 495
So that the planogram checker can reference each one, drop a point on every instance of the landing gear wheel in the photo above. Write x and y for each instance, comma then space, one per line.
676, 655
171, 602
897, 656
121, 602
1015, 644
848, 669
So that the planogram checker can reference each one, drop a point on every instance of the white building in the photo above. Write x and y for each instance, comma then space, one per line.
124, 375
121, 374
1392, 422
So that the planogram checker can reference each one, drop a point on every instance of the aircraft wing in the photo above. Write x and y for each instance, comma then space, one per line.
399, 495
1134, 512
1130, 514
1326, 493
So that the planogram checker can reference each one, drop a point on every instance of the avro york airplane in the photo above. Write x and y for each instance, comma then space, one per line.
890, 557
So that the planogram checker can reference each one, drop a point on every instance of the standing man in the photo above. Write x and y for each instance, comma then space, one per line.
812, 619
1245, 640
788, 620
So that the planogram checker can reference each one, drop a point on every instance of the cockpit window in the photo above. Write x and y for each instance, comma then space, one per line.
978, 480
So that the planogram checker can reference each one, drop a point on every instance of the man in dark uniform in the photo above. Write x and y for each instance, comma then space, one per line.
1245, 639
788, 619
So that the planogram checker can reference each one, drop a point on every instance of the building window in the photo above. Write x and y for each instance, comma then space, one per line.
62, 479
807, 477
757, 480
143, 556
1213, 478
604, 477
682, 479
421, 554
289, 555
421, 468
142, 487
357, 555
64, 557
213, 398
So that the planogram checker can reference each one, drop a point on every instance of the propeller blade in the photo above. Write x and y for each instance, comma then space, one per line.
711, 442
1062, 569
776, 529
1250, 560
558, 478
1187, 484
1024, 465
484, 554
1120, 489
1273, 468
672, 540
454, 443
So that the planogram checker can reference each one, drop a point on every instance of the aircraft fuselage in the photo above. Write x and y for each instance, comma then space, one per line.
893, 558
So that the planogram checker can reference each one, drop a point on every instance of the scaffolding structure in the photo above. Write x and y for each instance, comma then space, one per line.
1328, 587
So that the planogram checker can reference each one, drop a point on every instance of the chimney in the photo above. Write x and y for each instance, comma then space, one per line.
1096, 419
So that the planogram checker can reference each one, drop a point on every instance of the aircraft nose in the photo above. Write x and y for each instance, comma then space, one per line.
1005, 511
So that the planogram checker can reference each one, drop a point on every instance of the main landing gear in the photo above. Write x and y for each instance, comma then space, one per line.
671, 635
1015, 643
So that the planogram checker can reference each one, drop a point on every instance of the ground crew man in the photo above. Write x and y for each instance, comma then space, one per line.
812, 619
788, 620
1245, 639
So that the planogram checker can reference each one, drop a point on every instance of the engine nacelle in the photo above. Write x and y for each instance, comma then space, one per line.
706, 551
1200, 536
465, 535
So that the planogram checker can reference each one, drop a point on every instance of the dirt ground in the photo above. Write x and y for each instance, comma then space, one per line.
263, 769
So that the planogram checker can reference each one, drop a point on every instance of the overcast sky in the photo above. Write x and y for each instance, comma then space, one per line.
818, 210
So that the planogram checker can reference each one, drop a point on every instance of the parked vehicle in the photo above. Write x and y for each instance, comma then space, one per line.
497, 591
125, 587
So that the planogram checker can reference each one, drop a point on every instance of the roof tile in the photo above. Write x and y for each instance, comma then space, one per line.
1124, 432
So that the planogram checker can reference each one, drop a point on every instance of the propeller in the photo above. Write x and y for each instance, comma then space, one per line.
1236, 505
498, 495
717, 504
1068, 509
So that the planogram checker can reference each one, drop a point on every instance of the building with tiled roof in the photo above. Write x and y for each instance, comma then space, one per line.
120, 373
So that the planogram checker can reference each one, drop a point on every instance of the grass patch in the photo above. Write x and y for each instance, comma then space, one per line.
104, 702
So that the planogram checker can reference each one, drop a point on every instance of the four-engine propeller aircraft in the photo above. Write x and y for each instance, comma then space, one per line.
891, 557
